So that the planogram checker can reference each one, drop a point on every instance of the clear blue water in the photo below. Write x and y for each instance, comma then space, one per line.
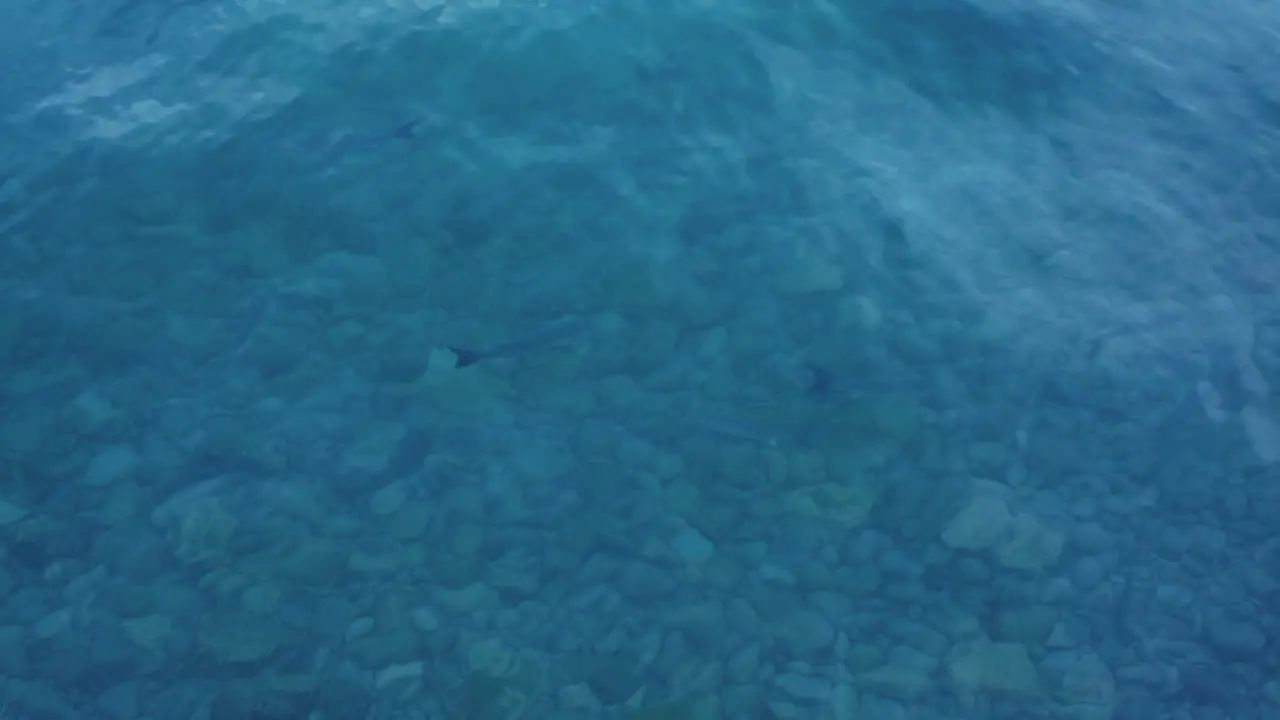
676, 360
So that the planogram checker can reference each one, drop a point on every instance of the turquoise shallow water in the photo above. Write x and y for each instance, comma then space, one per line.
570, 360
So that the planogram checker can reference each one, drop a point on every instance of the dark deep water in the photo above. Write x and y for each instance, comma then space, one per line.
511, 359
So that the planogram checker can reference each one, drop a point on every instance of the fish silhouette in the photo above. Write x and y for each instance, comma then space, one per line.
556, 335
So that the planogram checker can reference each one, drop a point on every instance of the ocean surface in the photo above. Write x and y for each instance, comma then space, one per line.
713, 360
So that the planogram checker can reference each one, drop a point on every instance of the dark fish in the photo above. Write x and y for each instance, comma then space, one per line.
738, 429
557, 334
337, 145
409, 454
1121, 606
125, 16
819, 380
405, 131
167, 12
